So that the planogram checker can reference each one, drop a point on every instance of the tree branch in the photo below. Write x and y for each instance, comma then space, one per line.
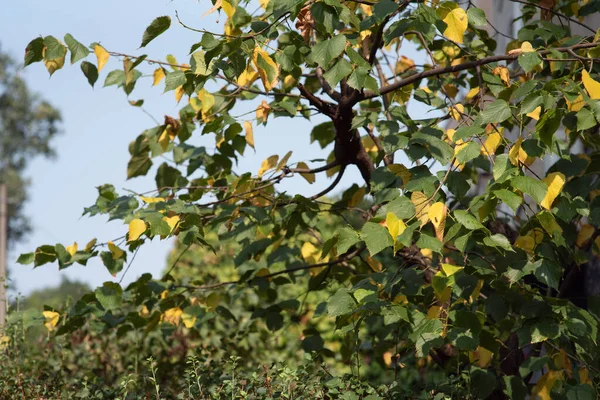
464, 66
560, 15
340, 260
337, 180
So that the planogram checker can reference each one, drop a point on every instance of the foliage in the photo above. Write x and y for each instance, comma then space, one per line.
454, 277
27, 127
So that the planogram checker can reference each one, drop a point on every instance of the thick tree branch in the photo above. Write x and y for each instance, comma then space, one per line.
378, 40
464, 66
322, 105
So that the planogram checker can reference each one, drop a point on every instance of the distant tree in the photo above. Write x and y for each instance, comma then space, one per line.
67, 291
27, 126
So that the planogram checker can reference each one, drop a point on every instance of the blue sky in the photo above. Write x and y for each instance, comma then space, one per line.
99, 123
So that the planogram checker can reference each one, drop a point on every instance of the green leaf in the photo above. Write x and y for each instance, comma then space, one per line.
327, 50
174, 79
78, 51
110, 295
395, 313
581, 392
498, 111
26, 258
157, 27
116, 77
199, 66
361, 79
340, 303
376, 237
138, 165
501, 165
54, 48
90, 71
498, 240
467, 220
529, 60
534, 188
531, 102
509, 198
476, 17
339, 71
469, 152
34, 52
585, 119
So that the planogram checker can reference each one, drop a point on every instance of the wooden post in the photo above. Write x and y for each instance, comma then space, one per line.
3, 233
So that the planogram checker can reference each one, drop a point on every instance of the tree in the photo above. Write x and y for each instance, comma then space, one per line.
472, 273
27, 126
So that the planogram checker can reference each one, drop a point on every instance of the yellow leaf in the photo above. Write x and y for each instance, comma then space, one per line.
357, 197
310, 178
52, 318
374, 264
188, 320
212, 301
172, 316
526, 47
262, 112
54, 65
90, 244
420, 201
457, 23
434, 312
102, 56
309, 252
404, 64
450, 50
535, 114
517, 153
491, 144
249, 133
387, 356
158, 76
472, 93
584, 376
475, 293
268, 70
529, 241
247, 77
172, 221
136, 228
144, 312
456, 112
577, 104
585, 233
150, 200
268, 164
561, 360
503, 73
369, 144
208, 101
392, 223
591, 86
115, 250
263, 4
4, 341
437, 214
401, 171
283, 161
213, 8
228, 8
555, 182
179, 92
451, 90
450, 269
164, 139
543, 388
484, 357
72, 249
